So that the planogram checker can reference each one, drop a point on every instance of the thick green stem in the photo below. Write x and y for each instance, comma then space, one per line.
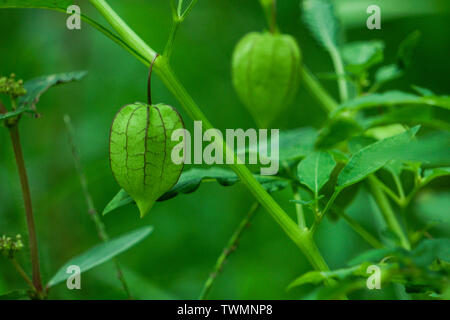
388, 213
36, 273
162, 68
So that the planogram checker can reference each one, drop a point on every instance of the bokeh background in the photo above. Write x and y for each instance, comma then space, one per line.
190, 230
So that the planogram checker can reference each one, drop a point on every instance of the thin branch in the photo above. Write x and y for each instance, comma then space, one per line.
93, 213
366, 235
22, 273
231, 247
36, 272
388, 213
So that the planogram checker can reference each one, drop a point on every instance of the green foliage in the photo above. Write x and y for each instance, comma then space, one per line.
141, 151
321, 20
393, 98
373, 157
192, 179
315, 170
101, 254
265, 74
367, 157
360, 56
34, 88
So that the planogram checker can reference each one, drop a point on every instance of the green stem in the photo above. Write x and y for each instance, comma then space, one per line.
388, 191
168, 77
388, 213
299, 208
316, 90
370, 239
399, 186
169, 45
340, 71
231, 247
36, 273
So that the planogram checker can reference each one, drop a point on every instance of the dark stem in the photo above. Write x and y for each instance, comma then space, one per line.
149, 81
273, 25
231, 246
36, 273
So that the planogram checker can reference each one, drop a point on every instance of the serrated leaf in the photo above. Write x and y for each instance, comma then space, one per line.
360, 56
101, 253
141, 151
191, 181
37, 86
393, 98
373, 157
315, 170
321, 20
49, 4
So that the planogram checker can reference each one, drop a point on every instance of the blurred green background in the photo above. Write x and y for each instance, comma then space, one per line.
190, 230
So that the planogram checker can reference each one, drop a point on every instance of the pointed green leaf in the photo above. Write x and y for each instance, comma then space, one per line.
141, 151
191, 180
101, 253
373, 157
315, 170
37, 86
387, 73
360, 56
321, 20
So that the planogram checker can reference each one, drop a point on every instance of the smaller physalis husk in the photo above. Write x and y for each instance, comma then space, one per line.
140, 151
266, 73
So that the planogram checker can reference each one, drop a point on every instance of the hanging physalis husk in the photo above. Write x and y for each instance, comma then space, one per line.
266, 73
140, 149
